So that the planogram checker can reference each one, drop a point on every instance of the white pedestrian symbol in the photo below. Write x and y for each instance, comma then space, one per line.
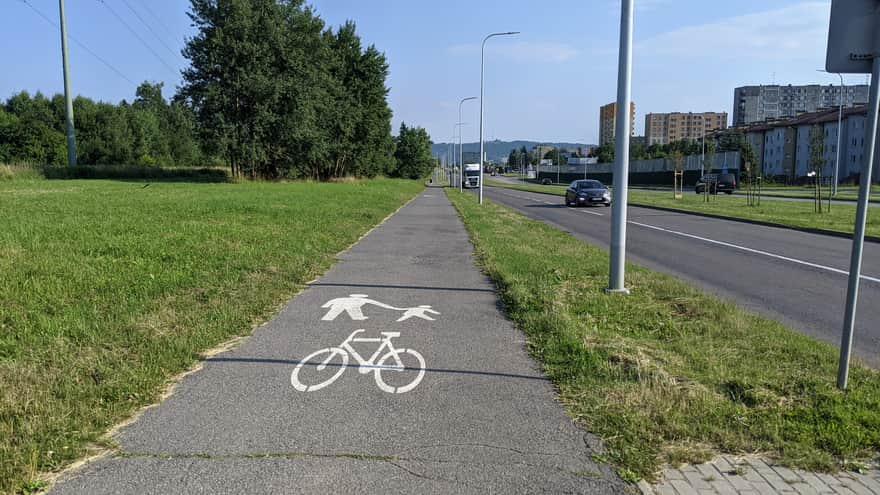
351, 305
403, 368
354, 303
418, 312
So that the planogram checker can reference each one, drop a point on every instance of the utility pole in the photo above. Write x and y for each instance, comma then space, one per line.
68, 98
621, 152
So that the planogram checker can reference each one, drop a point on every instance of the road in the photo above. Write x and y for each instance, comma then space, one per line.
794, 277
475, 416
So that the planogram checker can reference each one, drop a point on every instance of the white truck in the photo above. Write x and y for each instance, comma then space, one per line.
472, 175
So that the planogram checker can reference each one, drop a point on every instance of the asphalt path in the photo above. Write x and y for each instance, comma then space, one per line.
470, 412
794, 277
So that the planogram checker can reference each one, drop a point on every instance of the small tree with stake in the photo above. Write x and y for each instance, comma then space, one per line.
817, 160
747, 154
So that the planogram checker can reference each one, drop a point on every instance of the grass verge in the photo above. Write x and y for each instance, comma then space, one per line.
797, 214
669, 374
110, 288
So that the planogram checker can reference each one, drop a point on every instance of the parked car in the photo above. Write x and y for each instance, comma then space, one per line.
545, 181
716, 183
587, 192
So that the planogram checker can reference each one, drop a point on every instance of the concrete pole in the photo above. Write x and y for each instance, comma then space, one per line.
621, 152
68, 98
855, 264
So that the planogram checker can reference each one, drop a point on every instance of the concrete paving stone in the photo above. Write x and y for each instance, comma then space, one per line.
723, 464
683, 487
817, 484
869, 482
804, 488
673, 474
853, 484
722, 487
738, 482
786, 474
665, 488
709, 471
695, 478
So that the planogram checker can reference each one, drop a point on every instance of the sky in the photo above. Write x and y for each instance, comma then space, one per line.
545, 84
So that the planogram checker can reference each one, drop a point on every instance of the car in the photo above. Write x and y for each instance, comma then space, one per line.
545, 181
716, 183
587, 192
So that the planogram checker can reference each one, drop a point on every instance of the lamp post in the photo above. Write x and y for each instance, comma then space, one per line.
482, 57
836, 178
460, 151
621, 152
460, 160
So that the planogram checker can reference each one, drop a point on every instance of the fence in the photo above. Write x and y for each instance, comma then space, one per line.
644, 172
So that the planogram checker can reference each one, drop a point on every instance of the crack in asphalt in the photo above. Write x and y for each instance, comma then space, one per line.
487, 446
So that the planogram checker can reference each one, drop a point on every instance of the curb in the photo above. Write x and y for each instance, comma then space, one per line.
832, 233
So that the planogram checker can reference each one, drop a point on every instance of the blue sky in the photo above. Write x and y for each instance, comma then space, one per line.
544, 84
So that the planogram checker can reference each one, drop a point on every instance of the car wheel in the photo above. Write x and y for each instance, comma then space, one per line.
607, 205
728, 192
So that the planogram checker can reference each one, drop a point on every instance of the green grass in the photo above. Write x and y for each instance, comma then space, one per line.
789, 213
108, 289
669, 374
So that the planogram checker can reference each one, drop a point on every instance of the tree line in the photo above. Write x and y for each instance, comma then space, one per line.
270, 92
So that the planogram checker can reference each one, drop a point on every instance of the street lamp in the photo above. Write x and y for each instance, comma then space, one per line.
839, 131
460, 161
460, 151
482, 56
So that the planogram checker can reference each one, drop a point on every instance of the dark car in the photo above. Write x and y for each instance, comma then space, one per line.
587, 192
716, 183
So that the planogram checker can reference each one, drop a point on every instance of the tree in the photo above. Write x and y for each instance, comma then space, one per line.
413, 153
816, 163
605, 153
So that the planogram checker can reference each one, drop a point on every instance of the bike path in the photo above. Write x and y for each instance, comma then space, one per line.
481, 419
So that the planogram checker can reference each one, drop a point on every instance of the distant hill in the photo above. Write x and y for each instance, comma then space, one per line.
496, 150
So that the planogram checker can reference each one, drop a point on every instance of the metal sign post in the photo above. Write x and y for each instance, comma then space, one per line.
854, 47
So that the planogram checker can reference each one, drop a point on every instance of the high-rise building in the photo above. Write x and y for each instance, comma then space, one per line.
608, 122
759, 103
664, 128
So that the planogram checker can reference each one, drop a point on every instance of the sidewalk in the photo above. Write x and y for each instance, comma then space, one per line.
470, 412
751, 475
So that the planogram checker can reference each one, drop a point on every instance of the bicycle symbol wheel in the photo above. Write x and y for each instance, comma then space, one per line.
322, 362
398, 366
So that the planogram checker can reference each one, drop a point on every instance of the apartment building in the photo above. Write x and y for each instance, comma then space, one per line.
664, 128
608, 122
753, 104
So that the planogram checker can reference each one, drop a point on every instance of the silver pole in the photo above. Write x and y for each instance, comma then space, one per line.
839, 132
460, 153
68, 98
482, 57
621, 152
855, 264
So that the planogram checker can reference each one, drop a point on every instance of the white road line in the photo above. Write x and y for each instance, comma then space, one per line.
755, 251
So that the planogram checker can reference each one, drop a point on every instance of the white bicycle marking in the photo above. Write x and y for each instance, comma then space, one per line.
375, 364
353, 306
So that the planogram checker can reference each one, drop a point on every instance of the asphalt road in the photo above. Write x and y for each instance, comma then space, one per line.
794, 277
477, 416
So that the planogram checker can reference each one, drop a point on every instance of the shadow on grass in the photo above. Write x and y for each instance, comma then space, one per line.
137, 173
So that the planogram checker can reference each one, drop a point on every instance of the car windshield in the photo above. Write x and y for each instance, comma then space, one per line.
590, 184
472, 173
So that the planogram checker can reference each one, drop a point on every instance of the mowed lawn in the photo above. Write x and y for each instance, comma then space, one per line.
108, 289
798, 214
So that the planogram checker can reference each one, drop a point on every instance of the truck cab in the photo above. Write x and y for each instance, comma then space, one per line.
472, 175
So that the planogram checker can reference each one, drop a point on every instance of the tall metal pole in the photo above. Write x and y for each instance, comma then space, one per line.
482, 58
855, 264
68, 98
839, 132
460, 152
621, 152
